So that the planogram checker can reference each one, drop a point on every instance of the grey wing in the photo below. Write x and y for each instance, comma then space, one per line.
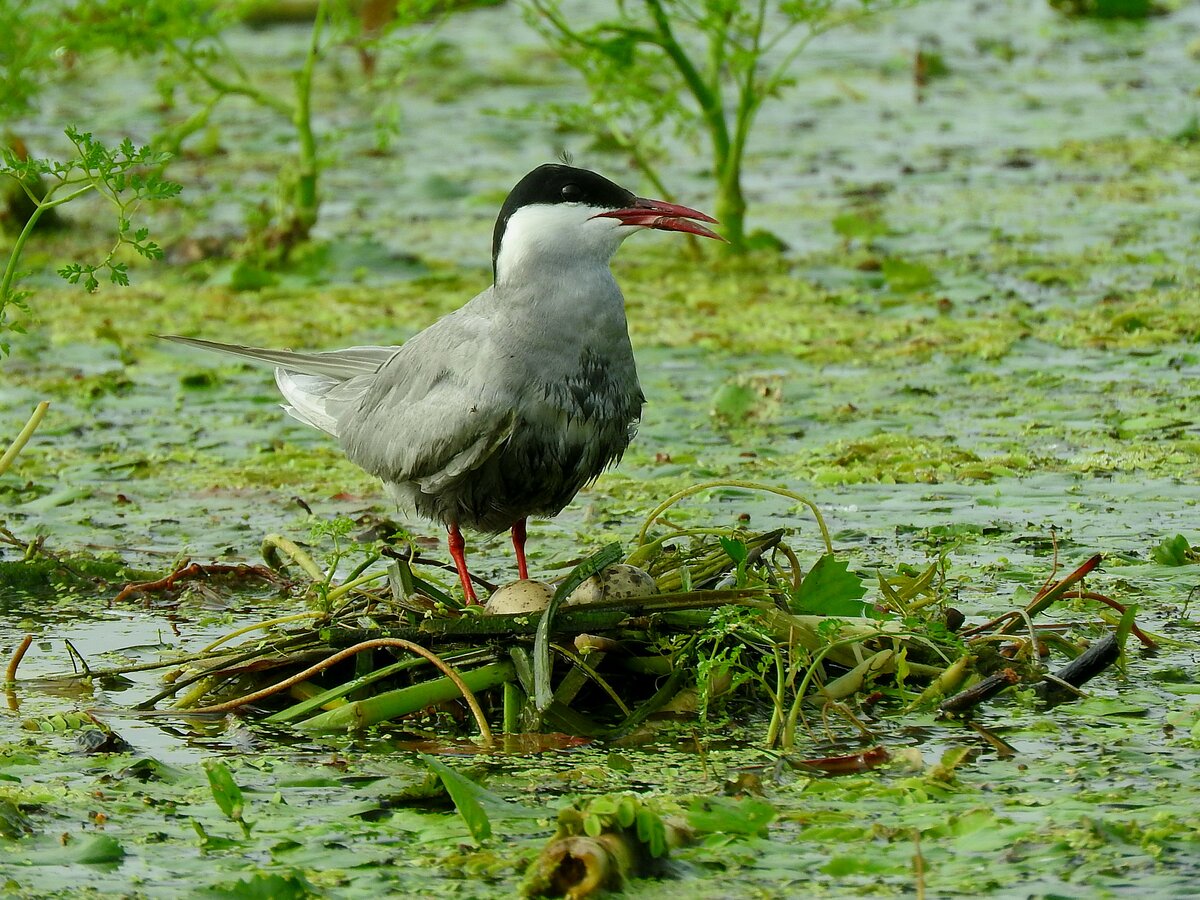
433, 412
318, 385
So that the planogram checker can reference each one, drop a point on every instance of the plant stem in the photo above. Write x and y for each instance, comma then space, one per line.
10, 674
730, 204
23, 437
222, 86
10, 270
307, 197
513, 700
735, 483
708, 98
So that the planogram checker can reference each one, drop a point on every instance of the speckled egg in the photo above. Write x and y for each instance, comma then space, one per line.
617, 582
519, 597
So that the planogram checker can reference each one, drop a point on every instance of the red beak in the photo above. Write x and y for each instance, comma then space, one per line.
663, 216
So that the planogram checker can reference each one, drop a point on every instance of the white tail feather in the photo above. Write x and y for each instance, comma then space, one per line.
306, 399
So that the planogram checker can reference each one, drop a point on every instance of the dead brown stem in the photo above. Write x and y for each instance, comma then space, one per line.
10, 674
981, 692
193, 570
1046, 596
1148, 642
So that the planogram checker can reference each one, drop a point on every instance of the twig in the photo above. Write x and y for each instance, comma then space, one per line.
990, 624
984, 690
1003, 748
1080, 670
794, 562
1148, 642
1047, 596
1051, 681
192, 570
1044, 597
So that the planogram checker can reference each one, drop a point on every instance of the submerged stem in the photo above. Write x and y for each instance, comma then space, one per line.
10, 674
273, 542
258, 626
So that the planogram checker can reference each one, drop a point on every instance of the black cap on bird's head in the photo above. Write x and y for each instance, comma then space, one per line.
553, 184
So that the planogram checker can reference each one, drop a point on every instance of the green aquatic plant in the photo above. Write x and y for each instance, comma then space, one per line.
188, 41
126, 175
9, 456
692, 68
27, 42
227, 793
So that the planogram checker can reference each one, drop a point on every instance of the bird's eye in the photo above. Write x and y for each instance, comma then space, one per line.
572, 193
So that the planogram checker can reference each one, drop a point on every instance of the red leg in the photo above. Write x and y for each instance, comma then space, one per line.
458, 553
518, 538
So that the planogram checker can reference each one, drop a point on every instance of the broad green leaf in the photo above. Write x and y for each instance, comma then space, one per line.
13, 822
733, 401
651, 831
265, 886
829, 589
860, 864
592, 825
99, 848
864, 227
476, 803
907, 276
466, 795
735, 548
1175, 551
627, 808
226, 791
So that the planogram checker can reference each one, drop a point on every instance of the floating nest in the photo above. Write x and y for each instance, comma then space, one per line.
688, 622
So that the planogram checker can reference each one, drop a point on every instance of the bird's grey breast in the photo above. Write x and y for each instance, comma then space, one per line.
567, 430
567, 362
598, 392
503, 410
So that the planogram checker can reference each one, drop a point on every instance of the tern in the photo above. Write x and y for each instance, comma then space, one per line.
508, 406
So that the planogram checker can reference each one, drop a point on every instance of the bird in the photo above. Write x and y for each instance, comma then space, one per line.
508, 406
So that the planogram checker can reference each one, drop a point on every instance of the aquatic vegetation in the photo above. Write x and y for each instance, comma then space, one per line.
187, 42
124, 175
1016, 398
692, 69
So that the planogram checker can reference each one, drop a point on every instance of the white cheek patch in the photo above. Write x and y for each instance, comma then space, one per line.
550, 234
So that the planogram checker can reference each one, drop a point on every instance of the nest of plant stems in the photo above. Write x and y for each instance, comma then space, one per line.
738, 618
